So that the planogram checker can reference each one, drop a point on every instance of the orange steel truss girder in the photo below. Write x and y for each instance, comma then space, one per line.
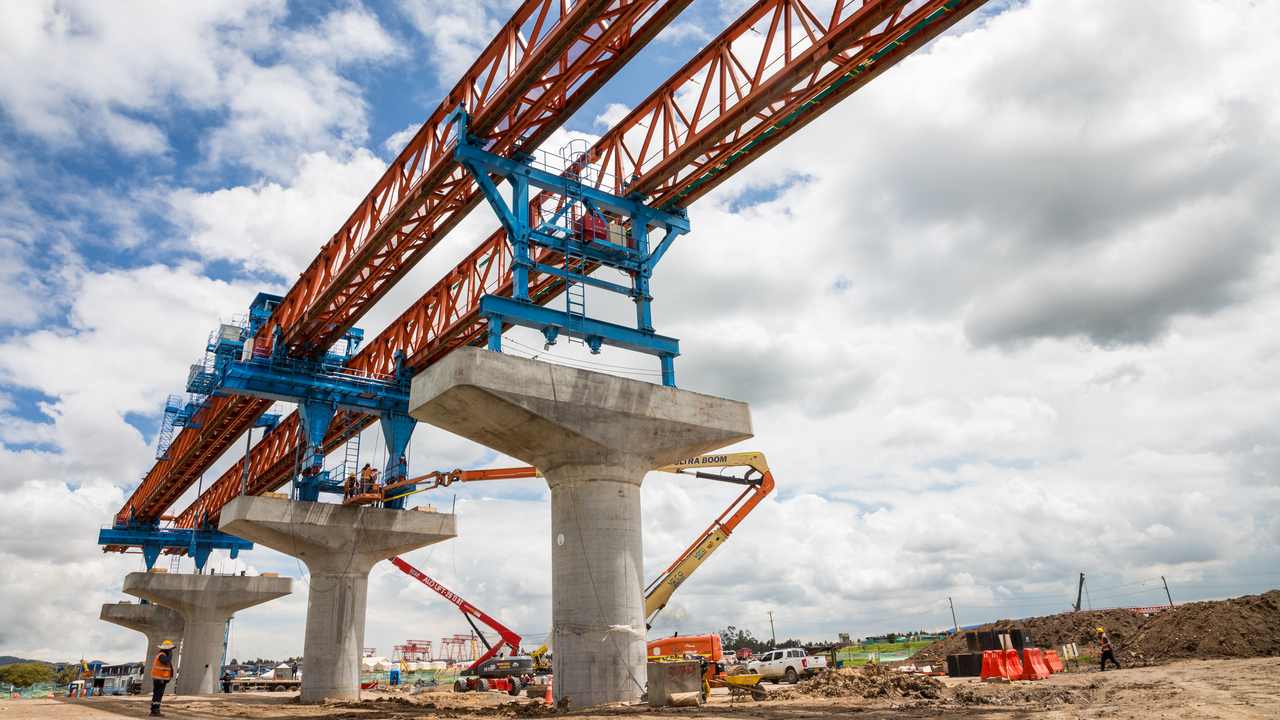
446, 317
776, 54
195, 449
364, 259
425, 192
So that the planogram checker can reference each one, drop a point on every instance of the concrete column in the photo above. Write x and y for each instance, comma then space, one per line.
157, 622
593, 436
206, 603
340, 545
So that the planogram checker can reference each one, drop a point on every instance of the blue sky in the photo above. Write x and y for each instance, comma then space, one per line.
1006, 315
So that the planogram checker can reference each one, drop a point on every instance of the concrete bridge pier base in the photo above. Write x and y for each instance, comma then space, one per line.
340, 545
157, 622
594, 437
206, 603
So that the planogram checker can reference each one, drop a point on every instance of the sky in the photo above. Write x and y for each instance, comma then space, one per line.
1006, 315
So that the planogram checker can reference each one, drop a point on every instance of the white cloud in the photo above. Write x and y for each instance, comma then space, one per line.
269, 227
80, 72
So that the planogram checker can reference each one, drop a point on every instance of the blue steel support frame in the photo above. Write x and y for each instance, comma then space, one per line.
197, 543
638, 262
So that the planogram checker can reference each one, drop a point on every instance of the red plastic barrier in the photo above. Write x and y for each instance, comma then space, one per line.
1054, 662
1013, 664
993, 665
1033, 667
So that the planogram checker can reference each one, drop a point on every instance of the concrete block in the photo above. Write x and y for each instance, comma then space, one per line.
673, 678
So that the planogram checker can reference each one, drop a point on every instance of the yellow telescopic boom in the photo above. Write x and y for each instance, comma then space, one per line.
759, 482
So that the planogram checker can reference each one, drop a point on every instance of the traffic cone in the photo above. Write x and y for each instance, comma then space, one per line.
549, 701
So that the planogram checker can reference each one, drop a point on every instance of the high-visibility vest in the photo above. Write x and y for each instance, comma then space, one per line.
1106, 644
162, 669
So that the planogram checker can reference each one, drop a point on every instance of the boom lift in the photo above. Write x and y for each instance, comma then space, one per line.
759, 482
486, 673
757, 478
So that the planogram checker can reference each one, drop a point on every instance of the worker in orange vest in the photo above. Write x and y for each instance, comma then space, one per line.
161, 674
1106, 650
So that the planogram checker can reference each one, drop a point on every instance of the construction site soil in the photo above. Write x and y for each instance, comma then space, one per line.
1236, 689
1202, 660
1242, 627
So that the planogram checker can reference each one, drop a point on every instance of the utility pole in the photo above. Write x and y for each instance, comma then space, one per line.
953, 615
1079, 593
773, 633
1166, 590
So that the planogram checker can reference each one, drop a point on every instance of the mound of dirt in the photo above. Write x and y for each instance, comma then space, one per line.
869, 681
1242, 627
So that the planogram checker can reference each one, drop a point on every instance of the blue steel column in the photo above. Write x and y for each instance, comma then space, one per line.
315, 416
520, 261
640, 281
397, 428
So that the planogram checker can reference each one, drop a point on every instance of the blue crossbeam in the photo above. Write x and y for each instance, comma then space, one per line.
594, 332
184, 541
287, 382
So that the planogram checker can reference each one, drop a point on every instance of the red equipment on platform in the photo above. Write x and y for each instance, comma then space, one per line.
509, 638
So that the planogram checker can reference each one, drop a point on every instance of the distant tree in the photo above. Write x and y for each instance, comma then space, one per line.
24, 674
235, 661
68, 674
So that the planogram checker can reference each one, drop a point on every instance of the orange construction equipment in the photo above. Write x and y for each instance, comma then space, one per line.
757, 478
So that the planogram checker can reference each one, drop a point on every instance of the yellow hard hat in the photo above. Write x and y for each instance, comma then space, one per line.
166, 645
1099, 629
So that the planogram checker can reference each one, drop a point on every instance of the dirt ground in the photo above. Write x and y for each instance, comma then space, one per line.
1235, 689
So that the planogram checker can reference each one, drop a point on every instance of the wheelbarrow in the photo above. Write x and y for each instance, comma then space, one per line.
742, 686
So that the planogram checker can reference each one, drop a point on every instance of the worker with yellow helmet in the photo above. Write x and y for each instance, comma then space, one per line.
1106, 650
161, 674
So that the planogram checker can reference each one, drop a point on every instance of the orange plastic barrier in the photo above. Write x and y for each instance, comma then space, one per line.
1055, 662
993, 665
1013, 664
1033, 667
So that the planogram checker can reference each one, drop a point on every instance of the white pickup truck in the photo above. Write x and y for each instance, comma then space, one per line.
790, 664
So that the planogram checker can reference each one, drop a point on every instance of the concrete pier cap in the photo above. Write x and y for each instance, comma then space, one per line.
157, 622
594, 437
206, 603
340, 545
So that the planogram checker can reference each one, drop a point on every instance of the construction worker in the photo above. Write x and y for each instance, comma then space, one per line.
161, 674
1106, 650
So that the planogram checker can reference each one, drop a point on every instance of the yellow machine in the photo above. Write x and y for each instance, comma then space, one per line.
759, 482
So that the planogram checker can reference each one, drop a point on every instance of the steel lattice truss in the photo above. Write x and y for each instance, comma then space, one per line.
769, 105
547, 61
549, 58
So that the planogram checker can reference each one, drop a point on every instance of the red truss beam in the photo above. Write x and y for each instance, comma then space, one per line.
518, 92
424, 193
446, 317
195, 448
764, 68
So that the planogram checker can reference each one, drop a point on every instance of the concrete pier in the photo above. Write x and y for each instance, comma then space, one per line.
157, 622
340, 545
593, 436
206, 603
